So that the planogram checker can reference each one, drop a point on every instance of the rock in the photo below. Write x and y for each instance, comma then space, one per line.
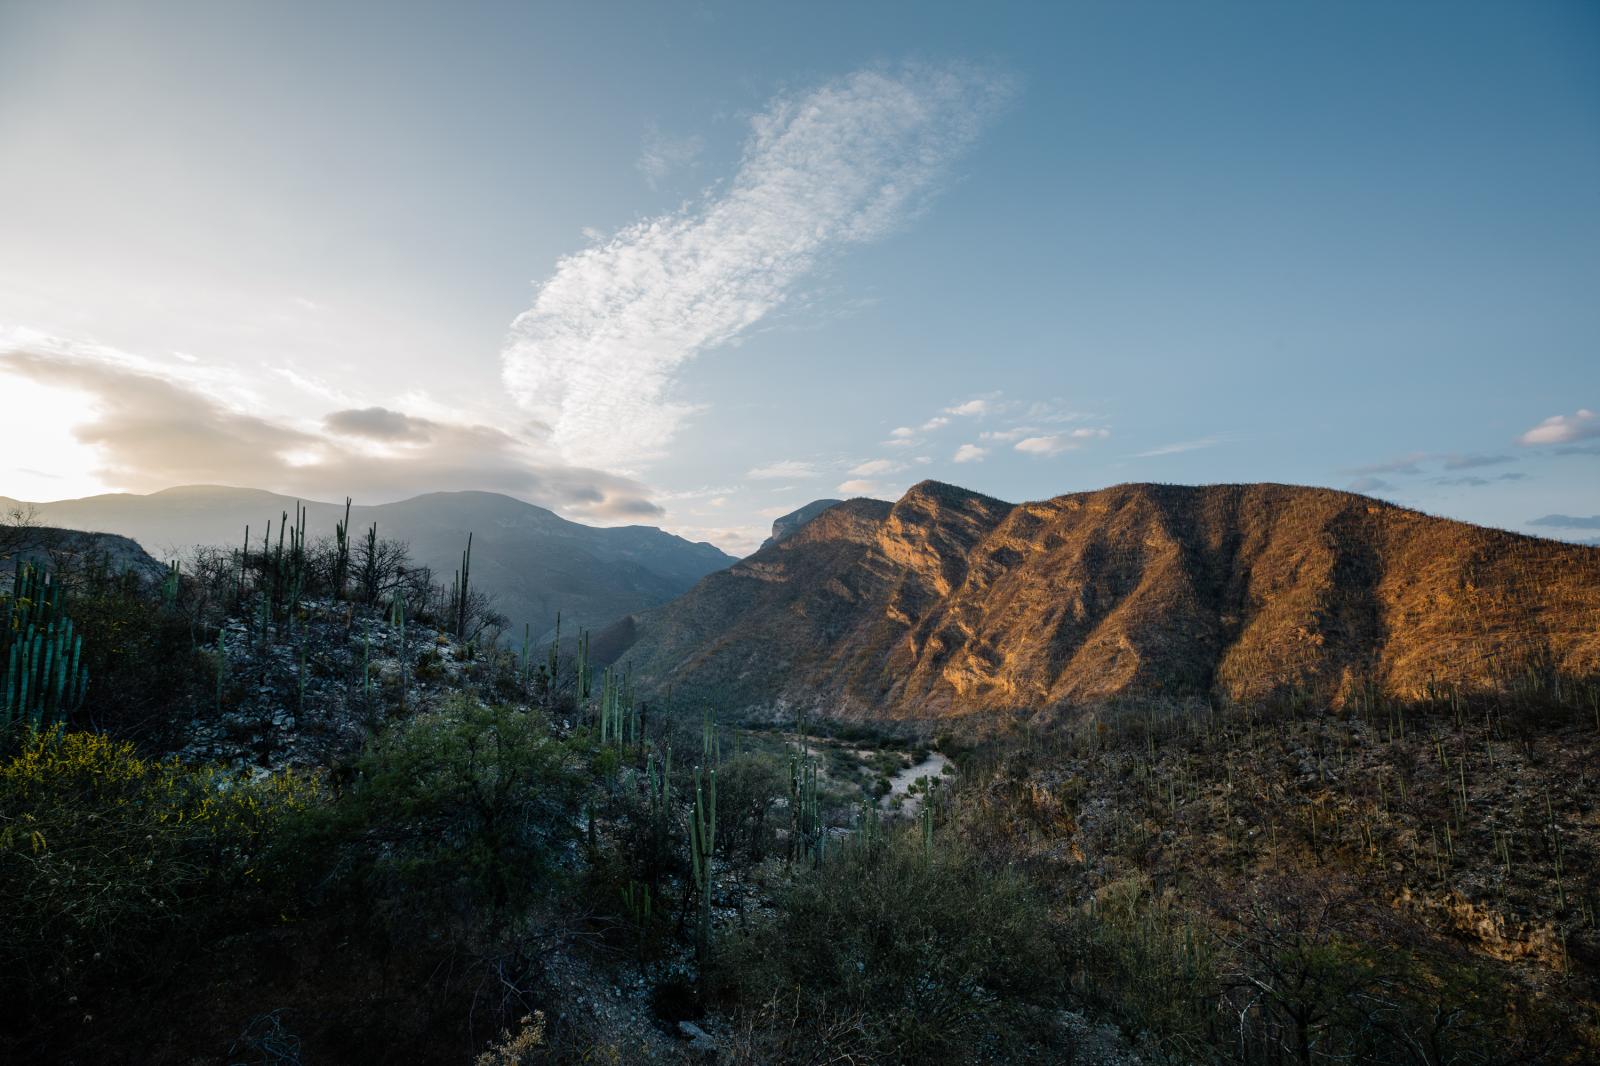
700, 1041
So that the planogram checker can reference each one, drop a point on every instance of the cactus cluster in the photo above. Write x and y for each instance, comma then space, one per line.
45, 678
618, 715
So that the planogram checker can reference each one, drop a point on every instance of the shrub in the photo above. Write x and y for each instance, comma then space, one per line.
457, 812
916, 957
102, 851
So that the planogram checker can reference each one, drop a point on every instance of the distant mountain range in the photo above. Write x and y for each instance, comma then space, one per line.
949, 601
533, 561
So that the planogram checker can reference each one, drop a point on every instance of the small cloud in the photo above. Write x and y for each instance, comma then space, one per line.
936, 422
378, 423
858, 487
978, 406
874, 467
307, 305
782, 469
1567, 521
902, 431
1181, 446
1563, 429
1007, 435
970, 453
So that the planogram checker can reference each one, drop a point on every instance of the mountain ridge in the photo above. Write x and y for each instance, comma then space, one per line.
948, 601
535, 562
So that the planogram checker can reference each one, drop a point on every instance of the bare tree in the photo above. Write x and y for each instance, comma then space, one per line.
22, 531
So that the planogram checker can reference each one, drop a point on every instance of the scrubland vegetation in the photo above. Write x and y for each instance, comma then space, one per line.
398, 838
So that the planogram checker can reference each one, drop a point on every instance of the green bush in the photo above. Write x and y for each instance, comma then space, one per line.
911, 957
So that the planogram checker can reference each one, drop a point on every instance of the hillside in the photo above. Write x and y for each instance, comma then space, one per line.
534, 562
949, 601
73, 549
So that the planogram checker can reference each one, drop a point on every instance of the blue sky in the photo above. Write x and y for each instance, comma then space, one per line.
695, 265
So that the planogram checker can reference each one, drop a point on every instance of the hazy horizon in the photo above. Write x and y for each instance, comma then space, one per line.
753, 258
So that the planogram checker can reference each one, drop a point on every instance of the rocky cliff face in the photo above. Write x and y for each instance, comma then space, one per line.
784, 527
949, 602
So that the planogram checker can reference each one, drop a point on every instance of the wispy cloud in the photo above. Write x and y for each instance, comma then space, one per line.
1474, 481
1412, 464
1405, 464
875, 467
1056, 443
859, 487
784, 468
1563, 429
1567, 521
597, 354
663, 154
1181, 446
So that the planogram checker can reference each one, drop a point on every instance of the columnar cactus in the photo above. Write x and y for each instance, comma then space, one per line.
702, 845
44, 678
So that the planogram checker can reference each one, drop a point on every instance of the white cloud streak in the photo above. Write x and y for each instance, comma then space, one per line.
1181, 446
596, 355
783, 468
1056, 443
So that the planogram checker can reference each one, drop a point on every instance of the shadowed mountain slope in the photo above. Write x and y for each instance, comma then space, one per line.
534, 561
950, 602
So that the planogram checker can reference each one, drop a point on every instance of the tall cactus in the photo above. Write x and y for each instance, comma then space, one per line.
806, 838
710, 739
44, 678
463, 589
170, 583
702, 845
341, 555
658, 784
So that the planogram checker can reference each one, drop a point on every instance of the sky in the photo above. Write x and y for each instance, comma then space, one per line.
695, 265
